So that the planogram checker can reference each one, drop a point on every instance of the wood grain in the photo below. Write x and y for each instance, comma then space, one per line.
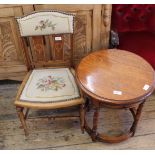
11, 50
102, 72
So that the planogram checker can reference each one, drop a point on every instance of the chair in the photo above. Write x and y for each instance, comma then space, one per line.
47, 38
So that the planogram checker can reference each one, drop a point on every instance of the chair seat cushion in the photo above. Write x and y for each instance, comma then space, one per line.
50, 85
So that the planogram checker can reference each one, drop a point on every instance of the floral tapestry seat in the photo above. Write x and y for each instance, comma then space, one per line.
50, 86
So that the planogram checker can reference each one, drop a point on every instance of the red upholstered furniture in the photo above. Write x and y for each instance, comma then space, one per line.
135, 25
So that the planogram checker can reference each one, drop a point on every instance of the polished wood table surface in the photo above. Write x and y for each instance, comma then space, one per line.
116, 79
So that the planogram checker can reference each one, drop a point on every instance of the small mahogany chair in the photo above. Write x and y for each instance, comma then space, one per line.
50, 84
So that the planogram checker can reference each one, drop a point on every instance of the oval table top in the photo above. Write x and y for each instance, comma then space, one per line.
115, 76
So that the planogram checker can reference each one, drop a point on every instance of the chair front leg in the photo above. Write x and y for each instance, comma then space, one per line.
22, 119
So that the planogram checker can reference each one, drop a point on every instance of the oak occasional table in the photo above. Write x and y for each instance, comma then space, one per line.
116, 79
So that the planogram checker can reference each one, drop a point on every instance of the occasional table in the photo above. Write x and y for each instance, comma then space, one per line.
116, 79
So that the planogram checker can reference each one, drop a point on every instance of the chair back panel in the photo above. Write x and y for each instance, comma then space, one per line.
45, 22
48, 38
38, 48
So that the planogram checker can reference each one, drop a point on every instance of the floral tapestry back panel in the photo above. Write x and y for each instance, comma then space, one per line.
45, 23
50, 85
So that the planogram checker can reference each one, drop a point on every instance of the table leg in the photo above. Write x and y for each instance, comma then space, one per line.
95, 123
92, 132
82, 115
87, 104
136, 115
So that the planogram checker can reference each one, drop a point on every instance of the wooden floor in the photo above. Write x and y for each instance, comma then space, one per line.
46, 133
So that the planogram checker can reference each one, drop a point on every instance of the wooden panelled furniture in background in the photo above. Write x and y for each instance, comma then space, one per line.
92, 26
12, 64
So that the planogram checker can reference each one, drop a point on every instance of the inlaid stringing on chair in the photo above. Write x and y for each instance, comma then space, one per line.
49, 88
